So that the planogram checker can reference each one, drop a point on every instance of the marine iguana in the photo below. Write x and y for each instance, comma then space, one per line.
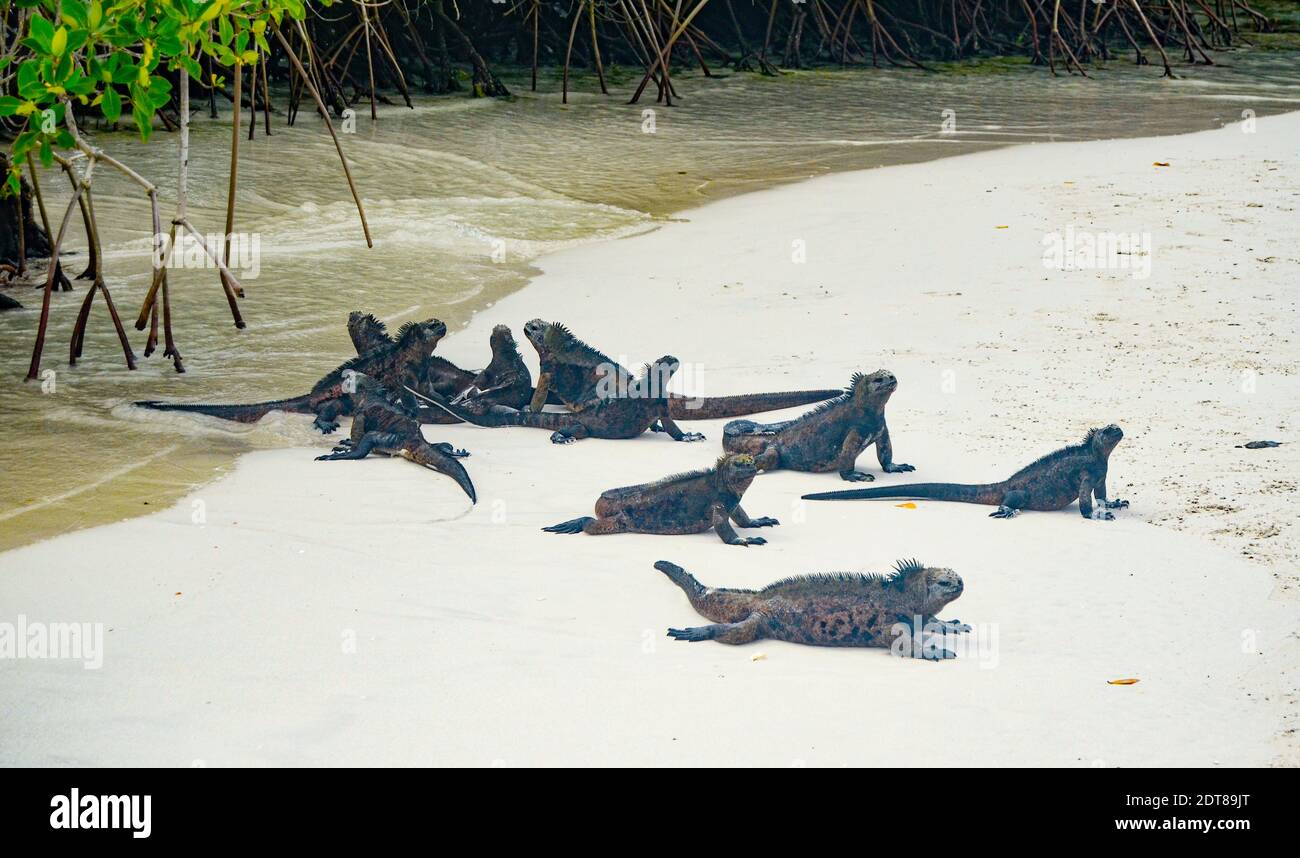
1051, 483
504, 381
395, 366
625, 417
828, 438
367, 332
579, 375
685, 503
838, 609
382, 423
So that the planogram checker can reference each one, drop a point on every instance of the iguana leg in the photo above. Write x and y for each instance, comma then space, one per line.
949, 627
743, 632
675, 432
1012, 502
327, 416
742, 519
1099, 492
538, 402
448, 450
849, 451
885, 454
362, 448
569, 434
1085, 503
727, 533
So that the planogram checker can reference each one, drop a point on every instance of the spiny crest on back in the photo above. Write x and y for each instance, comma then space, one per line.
685, 476
407, 332
840, 582
846, 396
1063, 452
827, 582
561, 339
369, 323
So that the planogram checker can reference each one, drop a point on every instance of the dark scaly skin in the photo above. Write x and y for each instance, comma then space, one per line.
396, 366
839, 609
382, 423
367, 332
620, 418
686, 503
578, 375
828, 438
506, 379
1077, 472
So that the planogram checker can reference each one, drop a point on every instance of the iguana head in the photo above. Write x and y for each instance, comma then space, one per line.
941, 587
421, 337
1103, 440
737, 471
926, 589
873, 389
535, 330
366, 331
503, 340
659, 374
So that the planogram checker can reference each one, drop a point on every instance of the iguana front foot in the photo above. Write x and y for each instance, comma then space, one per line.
1004, 512
699, 633
934, 653
949, 627
691, 436
326, 427
856, 477
896, 468
448, 450
561, 438
1102, 515
1115, 504
765, 521
747, 541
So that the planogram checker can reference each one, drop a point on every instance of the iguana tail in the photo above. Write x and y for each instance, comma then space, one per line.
249, 413
499, 416
679, 576
719, 407
434, 459
989, 493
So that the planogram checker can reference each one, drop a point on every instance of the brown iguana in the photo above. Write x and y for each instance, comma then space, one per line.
624, 417
839, 609
686, 503
828, 438
579, 375
395, 365
1051, 483
382, 423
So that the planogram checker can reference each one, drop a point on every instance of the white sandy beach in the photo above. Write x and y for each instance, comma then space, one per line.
363, 613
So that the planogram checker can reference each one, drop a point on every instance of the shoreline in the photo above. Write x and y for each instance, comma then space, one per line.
449, 283
458, 629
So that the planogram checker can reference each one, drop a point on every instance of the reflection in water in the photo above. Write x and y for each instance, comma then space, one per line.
461, 196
